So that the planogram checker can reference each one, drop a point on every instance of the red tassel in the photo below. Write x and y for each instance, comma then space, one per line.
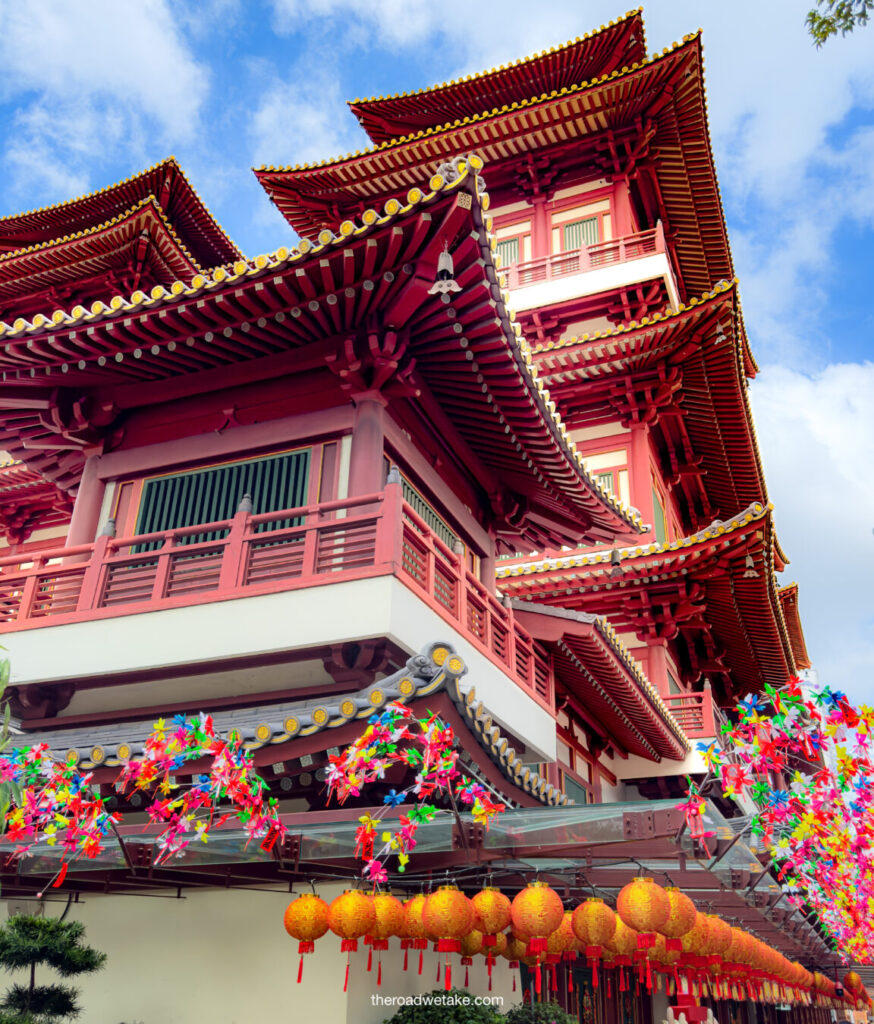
553, 980
609, 988
570, 980
623, 984
59, 881
537, 981
421, 954
514, 981
448, 976
300, 970
406, 958
438, 970
346, 982
648, 975
379, 973
466, 977
370, 958
594, 965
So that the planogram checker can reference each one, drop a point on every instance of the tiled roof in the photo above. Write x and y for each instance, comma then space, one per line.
436, 668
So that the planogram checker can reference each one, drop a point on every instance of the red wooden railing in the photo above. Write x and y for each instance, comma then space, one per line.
355, 538
590, 257
697, 714
430, 566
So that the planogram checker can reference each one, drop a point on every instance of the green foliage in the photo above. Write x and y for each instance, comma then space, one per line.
538, 1013
30, 942
454, 1007
831, 17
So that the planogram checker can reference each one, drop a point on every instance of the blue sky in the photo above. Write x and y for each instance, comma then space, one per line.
94, 92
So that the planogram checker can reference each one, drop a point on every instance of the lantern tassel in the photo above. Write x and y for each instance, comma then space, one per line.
406, 958
448, 975
370, 958
346, 981
537, 981
466, 977
379, 973
421, 954
300, 969
609, 988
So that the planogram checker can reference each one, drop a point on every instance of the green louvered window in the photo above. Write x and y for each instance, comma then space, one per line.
574, 791
209, 495
658, 514
606, 481
427, 514
579, 233
508, 250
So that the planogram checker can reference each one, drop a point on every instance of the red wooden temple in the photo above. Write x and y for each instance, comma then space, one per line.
493, 403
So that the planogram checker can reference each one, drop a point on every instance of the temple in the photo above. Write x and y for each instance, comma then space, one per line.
479, 444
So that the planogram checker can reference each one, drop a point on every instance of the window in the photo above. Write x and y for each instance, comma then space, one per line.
508, 250
579, 233
574, 791
658, 518
605, 480
208, 495
427, 514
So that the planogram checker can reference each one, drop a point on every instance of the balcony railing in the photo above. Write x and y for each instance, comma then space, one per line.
590, 257
355, 538
697, 714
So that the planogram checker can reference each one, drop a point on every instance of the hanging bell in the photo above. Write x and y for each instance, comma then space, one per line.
445, 275
615, 564
750, 572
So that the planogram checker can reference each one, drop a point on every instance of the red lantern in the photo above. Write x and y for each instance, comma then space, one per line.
306, 919
644, 906
449, 915
681, 918
492, 909
853, 982
537, 911
350, 916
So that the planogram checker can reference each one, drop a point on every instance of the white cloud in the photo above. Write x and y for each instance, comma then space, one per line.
815, 433
91, 81
301, 120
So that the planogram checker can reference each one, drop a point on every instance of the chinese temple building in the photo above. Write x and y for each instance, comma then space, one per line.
480, 444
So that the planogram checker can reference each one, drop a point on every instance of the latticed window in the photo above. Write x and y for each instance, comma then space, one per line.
508, 250
574, 791
579, 233
210, 495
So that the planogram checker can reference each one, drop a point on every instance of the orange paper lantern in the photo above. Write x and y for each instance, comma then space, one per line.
644, 906
390, 920
681, 917
350, 916
306, 919
492, 909
414, 926
537, 911
594, 922
449, 915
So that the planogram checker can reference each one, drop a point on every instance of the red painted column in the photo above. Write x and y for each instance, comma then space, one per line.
86, 511
622, 224
640, 479
541, 243
657, 666
366, 475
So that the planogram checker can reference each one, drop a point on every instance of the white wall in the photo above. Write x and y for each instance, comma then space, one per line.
223, 957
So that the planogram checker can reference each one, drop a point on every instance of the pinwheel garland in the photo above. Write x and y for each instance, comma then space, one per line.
393, 737
803, 755
56, 804
190, 812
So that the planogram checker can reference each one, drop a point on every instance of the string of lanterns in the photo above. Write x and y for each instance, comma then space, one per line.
654, 938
